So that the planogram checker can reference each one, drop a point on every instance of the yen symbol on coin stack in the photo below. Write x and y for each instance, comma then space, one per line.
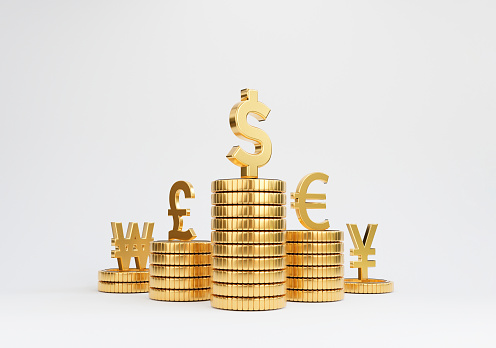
248, 222
315, 256
180, 268
125, 279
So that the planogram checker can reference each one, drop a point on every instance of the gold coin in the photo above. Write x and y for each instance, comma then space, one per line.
315, 260
313, 271
249, 290
123, 288
248, 224
313, 283
180, 271
259, 198
258, 185
314, 236
249, 264
132, 275
248, 237
250, 250
180, 283
315, 295
249, 211
181, 247
369, 286
315, 248
248, 303
247, 277
181, 259
179, 295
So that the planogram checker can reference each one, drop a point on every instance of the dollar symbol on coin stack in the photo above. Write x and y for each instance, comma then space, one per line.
315, 257
180, 270
249, 163
125, 279
248, 222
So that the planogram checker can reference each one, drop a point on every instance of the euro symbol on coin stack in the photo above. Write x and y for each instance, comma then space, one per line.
124, 279
180, 270
248, 223
363, 284
315, 257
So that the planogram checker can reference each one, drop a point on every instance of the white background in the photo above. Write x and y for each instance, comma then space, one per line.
105, 104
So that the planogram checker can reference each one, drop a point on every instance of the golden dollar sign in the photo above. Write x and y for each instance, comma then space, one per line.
249, 163
177, 214
301, 205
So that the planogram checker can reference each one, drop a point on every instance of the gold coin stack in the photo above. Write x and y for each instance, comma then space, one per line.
117, 281
315, 266
180, 270
248, 223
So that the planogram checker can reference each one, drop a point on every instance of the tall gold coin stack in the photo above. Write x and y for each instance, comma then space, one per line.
180, 270
315, 266
248, 223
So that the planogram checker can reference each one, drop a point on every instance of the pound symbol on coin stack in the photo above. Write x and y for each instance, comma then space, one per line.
249, 163
177, 213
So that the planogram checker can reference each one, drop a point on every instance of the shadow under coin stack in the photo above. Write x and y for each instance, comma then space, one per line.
248, 223
315, 266
180, 270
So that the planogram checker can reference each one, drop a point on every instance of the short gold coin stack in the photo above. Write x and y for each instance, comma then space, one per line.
315, 266
180, 270
248, 223
117, 281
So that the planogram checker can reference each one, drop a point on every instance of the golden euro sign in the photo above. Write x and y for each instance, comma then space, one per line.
249, 163
362, 249
177, 214
132, 245
301, 205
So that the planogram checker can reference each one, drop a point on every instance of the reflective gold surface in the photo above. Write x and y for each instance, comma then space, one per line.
247, 277
315, 248
236, 250
248, 224
362, 249
177, 213
314, 236
131, 246
259, 198
249, 290
181, 247
248, 237
249, 163
114, 275
369, 286
255, 185
301, 204
314, 283
248, 211
122, 287
181, 259
315, 271
180, 283
248, 303
179, 295
315, 295
247, 264
315, 260
180, 271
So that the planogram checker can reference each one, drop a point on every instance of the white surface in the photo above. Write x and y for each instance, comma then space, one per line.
104, 105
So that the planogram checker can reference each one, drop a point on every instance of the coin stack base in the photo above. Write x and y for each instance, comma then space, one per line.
248, 244
180, 270
368, 286
315, 266
129, 281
